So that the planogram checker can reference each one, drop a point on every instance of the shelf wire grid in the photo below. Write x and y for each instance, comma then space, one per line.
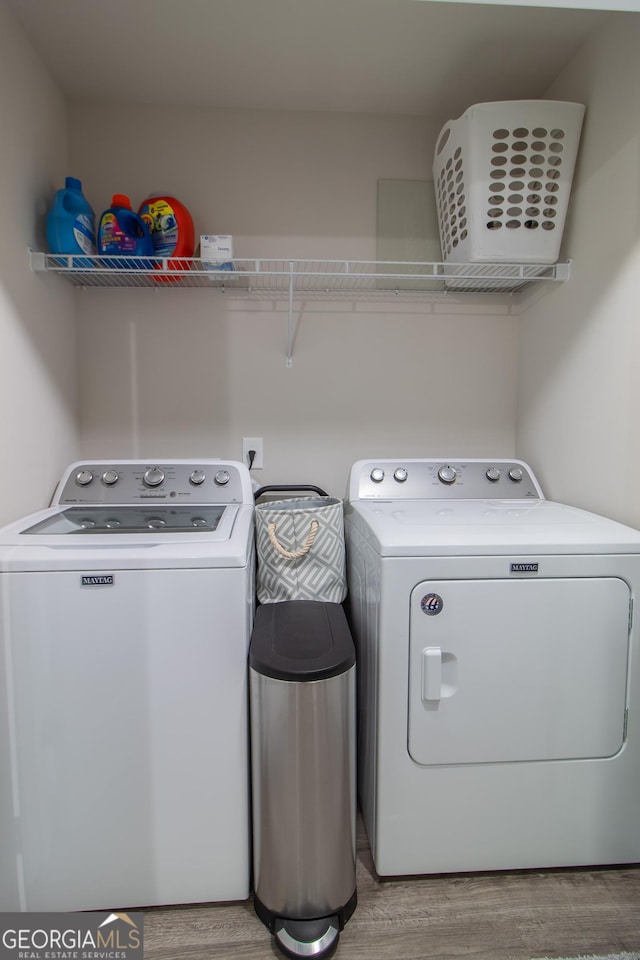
299, 278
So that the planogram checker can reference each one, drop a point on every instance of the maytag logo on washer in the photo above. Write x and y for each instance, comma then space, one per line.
432, 604
524, 568
93, 580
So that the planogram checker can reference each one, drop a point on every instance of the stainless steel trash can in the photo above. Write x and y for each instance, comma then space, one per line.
302, 685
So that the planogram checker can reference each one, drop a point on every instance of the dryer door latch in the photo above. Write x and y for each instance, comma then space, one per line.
431, 673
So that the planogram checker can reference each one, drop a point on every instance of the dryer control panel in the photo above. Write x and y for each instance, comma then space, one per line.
443, 480
168, 481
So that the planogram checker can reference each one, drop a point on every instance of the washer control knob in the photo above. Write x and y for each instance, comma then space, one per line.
110, 477
516, 474
493, 474
197, 477
222, 477
400, 475
447, 474
377, 474
153, 476
83, 477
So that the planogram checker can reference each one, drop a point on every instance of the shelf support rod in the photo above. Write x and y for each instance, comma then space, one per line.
290, 318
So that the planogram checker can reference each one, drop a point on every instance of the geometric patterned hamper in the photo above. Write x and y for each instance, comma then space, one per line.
301, 550
502, 175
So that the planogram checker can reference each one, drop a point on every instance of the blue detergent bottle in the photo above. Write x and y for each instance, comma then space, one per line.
122, 234
71, 223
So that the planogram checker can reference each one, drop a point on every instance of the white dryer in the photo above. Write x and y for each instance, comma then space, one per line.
125, 618
499, 670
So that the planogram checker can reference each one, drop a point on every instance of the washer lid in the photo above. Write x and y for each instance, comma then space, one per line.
147, 537
138, 514
117, 520
475, 527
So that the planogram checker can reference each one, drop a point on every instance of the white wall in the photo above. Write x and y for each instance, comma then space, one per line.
579, 365
37, 327
188, 373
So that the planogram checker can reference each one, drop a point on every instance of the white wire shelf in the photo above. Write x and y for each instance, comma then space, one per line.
263, 277
296, 280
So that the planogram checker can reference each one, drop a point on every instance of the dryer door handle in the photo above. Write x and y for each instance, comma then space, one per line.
431, 673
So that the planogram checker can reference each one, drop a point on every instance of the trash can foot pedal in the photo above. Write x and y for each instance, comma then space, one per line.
308, 938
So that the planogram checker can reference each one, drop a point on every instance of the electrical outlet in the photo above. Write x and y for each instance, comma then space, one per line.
253, 443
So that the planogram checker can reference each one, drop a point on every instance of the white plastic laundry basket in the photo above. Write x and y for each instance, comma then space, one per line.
502, 175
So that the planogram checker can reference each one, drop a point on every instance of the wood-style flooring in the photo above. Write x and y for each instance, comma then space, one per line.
490, 916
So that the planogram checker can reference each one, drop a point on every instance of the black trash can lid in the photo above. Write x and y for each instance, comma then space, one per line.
301, 640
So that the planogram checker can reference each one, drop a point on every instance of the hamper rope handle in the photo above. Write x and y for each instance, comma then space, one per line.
301, 551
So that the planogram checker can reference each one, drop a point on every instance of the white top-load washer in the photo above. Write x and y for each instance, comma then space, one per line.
499, 670
125, 618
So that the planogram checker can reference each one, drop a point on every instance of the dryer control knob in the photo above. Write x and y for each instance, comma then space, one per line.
493, 474
110, 477
377, 475
222, 477
83, 477
400, 475
197, 477
516, 474
447, 474
153, 476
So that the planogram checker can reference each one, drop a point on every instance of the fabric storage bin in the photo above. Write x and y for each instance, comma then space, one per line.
502, 176
300, 549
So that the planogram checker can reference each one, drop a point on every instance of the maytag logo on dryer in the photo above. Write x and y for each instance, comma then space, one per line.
97, 580
524, 567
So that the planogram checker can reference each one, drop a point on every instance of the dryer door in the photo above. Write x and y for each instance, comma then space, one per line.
517, 670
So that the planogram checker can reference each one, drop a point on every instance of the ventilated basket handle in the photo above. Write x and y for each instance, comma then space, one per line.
301, 551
